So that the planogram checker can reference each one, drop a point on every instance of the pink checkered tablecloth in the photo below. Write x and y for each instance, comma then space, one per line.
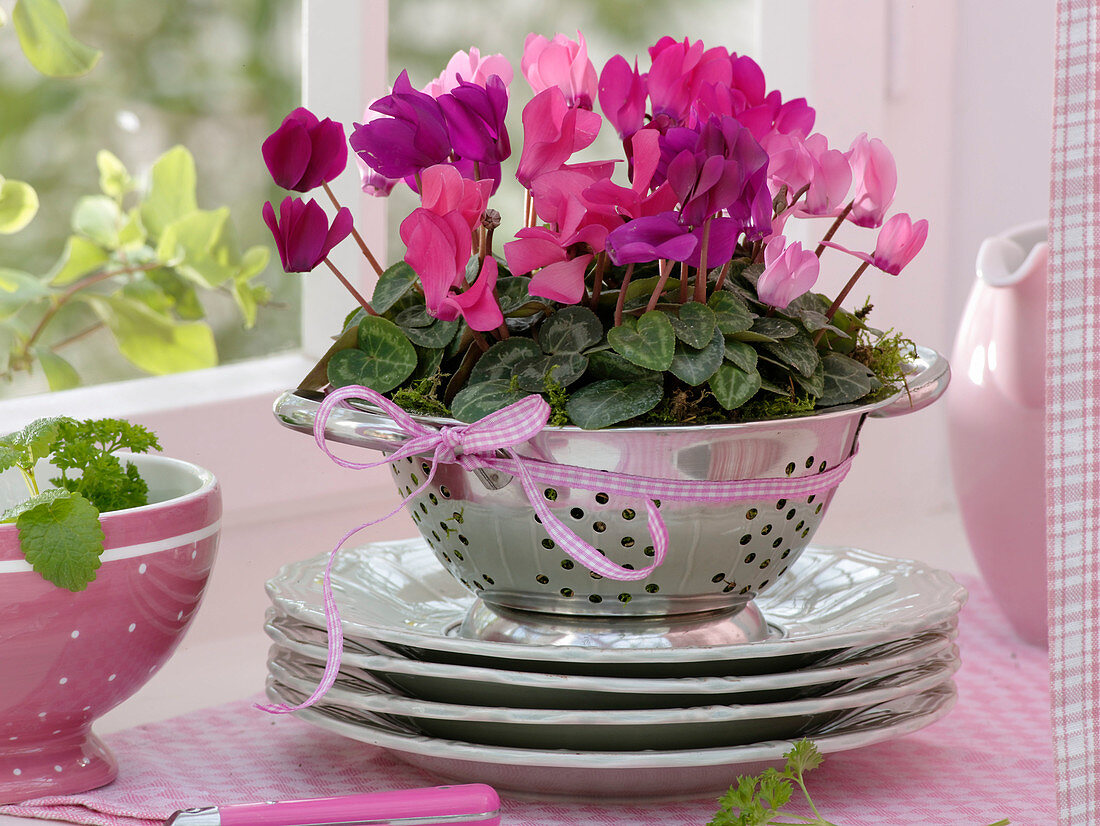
989, 758
1073, 423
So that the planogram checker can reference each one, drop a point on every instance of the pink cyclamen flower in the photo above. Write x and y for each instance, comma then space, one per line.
437, 248
302, 232
875, 179
795, 161
471, 67
445, 190
789, 271
899, 241
305, 152
552, 132
678, 72
477, 304
563, 63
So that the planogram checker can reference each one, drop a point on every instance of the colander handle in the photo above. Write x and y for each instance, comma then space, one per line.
923, 386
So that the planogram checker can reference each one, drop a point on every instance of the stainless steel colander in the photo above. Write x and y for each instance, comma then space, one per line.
483, 529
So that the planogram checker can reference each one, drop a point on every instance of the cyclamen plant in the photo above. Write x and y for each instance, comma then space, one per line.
660, 288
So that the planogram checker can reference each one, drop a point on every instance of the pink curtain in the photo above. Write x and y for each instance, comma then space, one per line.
1073, 415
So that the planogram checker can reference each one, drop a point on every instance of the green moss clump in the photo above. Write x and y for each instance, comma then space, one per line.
766, 405
558, 398
887, 356
420, 398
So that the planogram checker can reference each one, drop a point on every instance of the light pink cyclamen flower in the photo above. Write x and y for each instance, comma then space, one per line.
471, 67
795, 161
563, 63
789, 271
899, 241
875, 179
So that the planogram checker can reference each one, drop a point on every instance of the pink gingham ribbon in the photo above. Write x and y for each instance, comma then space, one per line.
476, 446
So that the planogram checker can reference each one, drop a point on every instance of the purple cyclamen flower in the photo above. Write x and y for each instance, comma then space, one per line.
475, 120
302, 232
718, 167
305, 152
650, 238
412, 136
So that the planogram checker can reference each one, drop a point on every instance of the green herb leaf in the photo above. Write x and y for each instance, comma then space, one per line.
62, 539
80, 258
609, 402
90, 447
114, 180
648, 341
171, 192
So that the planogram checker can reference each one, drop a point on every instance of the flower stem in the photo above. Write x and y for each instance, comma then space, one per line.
622, 294
355, 234
722, 276
685, 275
347, 284
701, 271
832, 230
597, 279
666, 271
840, 298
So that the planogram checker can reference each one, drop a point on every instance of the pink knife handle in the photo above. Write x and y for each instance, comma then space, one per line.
450, 802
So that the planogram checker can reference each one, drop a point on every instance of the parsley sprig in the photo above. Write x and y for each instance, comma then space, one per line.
759, 801
59, 530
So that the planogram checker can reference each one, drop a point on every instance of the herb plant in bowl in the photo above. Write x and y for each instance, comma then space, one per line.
659, 405
100, 575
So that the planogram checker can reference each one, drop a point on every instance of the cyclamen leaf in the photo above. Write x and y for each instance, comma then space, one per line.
537, 373
796, 351
609, 402
382, 361
500, 360
436, 335
732, 386
570, 330
846, 380
730, 313
392, 285
694, 325
475, 401
695, 366
62, 540
741, 354
648, 341
605, 364
776, 328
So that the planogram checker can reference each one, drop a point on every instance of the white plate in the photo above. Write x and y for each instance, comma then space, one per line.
610, 730
604, 776
471, 685
397, 593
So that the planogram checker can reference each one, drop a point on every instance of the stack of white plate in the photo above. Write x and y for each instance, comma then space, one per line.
862, 651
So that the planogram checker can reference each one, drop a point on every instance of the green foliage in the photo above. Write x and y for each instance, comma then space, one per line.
133, 266
44, 35
90, 447
648, 341
18, 205
609, 402
761, 800
59, 530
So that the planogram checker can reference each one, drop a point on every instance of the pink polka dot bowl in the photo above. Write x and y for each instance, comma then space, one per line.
67, 658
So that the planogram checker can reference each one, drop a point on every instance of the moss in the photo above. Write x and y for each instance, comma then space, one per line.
887, 356
557, 396
770, 406
421, 397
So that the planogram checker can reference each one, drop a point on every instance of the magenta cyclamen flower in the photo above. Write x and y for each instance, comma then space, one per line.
477, 304
622, 96
789, 271
475, 120
899, 241
411, 137
302, 232
678, 72
874, 178
563, 63
305, 152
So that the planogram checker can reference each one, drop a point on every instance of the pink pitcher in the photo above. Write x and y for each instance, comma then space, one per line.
995, 416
